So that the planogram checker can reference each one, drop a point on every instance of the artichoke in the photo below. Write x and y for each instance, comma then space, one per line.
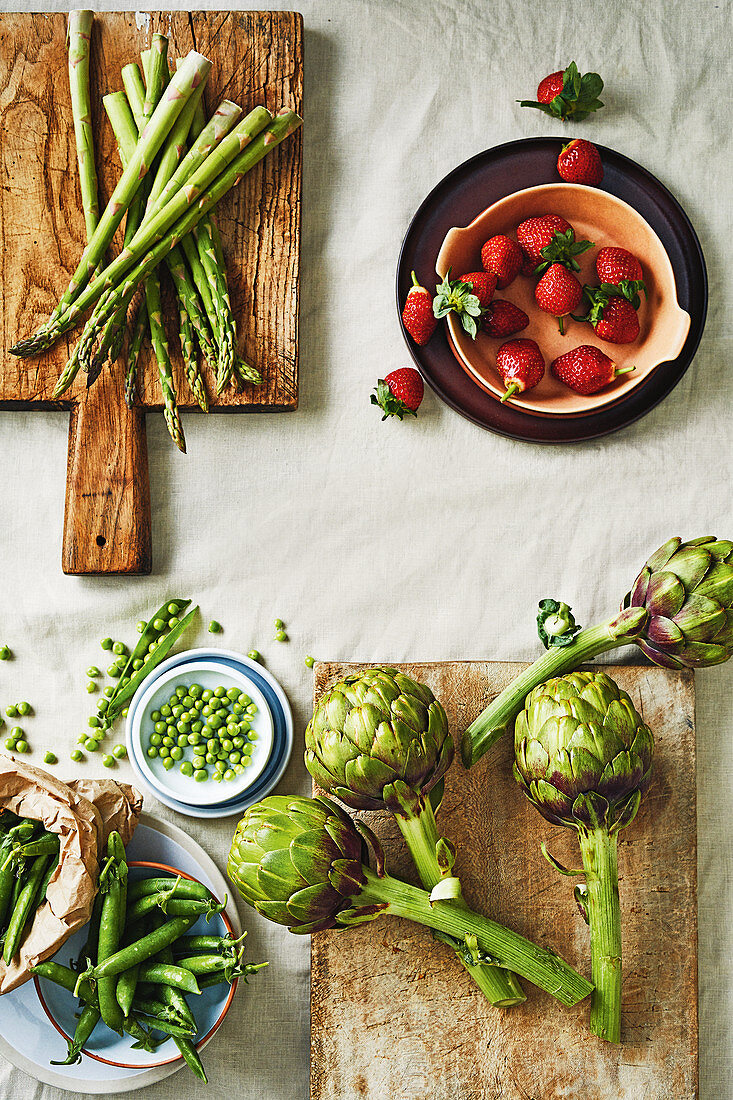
679, 612
380, 740
373, 729
583, 756
301, 862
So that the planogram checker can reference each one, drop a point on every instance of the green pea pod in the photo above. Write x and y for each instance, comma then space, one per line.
45, 845
191, 1056
110, 924
174, 907
123, 694
140, 951
86, 1024
169, 974
207, 945
66, 978
174, 997
47, 878
143, 1006
24, 906
207, 964
166, 1026
8, 878
184, 888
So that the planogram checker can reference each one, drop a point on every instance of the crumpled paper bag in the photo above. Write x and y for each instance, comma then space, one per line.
83, 813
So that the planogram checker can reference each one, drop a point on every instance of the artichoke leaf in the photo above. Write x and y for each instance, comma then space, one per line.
700, 619
665, 594
314, 902
591, 809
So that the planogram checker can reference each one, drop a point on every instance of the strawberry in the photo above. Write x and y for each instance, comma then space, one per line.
586, 369
528, 265
568, 95
503, 257
483, 285
616, 266
503, 319
520, 365
457, 296
537, 233
400, 393
580, 162
612, 314
558, 292
417, 316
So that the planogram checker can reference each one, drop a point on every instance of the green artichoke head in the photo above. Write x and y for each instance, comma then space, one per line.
375, 729
583, 754
687, 588
299, 862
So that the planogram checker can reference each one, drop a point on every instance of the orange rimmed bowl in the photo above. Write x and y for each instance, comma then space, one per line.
606, 220
110, 1049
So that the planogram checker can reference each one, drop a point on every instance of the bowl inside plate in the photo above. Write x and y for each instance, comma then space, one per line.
210, 1006
596, 216
155, 692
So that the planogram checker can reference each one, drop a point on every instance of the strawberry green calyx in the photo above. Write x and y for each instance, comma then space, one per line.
577, 100
598, 297
388, 403
562, 249
455, 296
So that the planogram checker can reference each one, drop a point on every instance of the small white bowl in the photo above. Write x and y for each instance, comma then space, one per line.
172, 782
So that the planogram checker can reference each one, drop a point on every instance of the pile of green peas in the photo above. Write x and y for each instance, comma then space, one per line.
205, 731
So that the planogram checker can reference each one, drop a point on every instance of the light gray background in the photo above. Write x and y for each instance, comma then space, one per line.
423, 540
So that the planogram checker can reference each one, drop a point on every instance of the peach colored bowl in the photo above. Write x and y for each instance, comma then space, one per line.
596, 216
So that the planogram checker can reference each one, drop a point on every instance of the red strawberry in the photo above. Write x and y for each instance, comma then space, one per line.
568, 94
558, 292
536, 233
503, 319
417, 316
616, 265
586, 369
483, 285
618, 323
580, 162
611, 314
400, 393
503, 257
528, 266
520, 365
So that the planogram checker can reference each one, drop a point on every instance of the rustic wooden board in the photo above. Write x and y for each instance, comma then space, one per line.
393, 1015
257, 58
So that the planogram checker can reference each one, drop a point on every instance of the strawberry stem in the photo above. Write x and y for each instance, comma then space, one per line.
414, 279
511, 389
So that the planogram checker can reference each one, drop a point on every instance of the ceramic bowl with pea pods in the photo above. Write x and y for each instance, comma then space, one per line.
201, 733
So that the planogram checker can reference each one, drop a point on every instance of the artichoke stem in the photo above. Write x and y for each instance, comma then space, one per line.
420, 831
604, 917
543, 968
485, 730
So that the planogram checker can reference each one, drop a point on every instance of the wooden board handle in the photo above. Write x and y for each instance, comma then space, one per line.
107, 515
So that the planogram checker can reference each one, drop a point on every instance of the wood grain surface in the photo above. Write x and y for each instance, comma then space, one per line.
393, 1015
257, 59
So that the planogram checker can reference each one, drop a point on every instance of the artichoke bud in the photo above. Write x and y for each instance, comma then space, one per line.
687, 590
583, 754
298, 861
445, 853
556, 625
373, 730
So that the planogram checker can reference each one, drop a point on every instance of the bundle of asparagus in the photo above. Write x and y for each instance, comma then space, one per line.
176, 166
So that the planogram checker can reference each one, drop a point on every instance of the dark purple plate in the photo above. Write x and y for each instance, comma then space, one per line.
482, 181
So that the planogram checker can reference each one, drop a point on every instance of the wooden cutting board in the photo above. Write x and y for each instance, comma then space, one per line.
393, 1015
257, 58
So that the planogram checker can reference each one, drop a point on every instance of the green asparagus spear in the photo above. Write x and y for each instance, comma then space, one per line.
195, 70
163, 359
77, 40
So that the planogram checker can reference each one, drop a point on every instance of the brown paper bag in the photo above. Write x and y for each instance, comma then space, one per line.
82, 813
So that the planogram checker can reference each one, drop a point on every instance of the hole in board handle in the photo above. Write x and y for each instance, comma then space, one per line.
101, 540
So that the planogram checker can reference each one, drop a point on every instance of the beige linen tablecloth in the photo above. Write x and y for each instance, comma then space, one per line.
428, 539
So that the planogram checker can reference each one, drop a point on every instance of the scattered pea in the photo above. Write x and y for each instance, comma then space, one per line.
109, 691
214, 627
93, 721
119, 648
91, 745
77, 755
114, 672
309, 661
229, 774
5, 653
24, 709
119, 751
281, 636
200, 775
124, 712
50, 758
22, 746
140, 626
106, 643
108, 761
91, 687
16, 732
254, 655
103, 705
10, 744
279, 624
11, 711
